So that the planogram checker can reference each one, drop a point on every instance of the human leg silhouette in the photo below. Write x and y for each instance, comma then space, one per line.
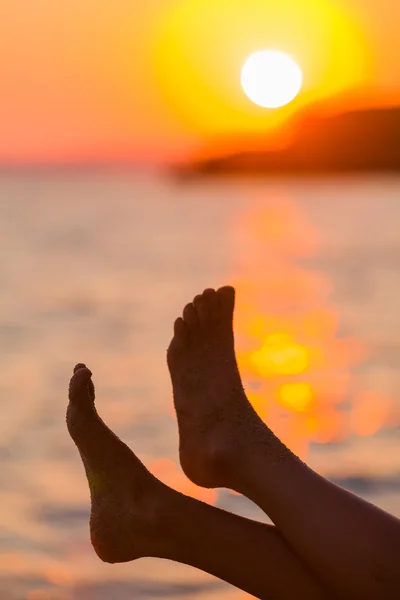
353, 546
134, 515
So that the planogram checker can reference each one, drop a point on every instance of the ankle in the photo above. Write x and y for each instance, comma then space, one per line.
267, 461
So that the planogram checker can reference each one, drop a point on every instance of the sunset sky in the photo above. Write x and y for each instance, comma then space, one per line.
157, 80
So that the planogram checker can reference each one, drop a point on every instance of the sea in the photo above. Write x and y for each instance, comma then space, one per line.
96, 265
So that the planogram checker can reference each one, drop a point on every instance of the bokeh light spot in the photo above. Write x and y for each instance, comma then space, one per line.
296, 396
280, 355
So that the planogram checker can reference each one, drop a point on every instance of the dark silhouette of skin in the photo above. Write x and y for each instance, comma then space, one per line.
326, 542
135, 515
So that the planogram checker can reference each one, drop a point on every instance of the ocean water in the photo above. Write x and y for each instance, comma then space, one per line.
96, 266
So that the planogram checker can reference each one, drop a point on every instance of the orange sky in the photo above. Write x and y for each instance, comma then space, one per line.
156, 79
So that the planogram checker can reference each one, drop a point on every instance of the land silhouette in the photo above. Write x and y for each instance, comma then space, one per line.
367, 140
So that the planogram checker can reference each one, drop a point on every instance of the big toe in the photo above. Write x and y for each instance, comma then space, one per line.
83, 422
226, 302
81, 388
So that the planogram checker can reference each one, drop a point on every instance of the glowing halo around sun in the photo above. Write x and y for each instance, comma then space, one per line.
199, 47
271, 78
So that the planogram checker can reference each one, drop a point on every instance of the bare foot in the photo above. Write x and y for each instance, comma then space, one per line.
125, 496
213, 411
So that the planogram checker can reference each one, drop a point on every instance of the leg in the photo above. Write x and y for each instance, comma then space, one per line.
135, 515
353, 546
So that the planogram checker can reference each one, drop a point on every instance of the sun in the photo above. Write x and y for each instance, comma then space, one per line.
271, 78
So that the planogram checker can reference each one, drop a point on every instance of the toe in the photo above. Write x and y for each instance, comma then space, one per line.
201, 306
226, 297
226, 302
205, 305
211, 301
210, 294
178, 342
180, 329
81, 388
190, 316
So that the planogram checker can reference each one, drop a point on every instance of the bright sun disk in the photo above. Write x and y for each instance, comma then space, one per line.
271, 78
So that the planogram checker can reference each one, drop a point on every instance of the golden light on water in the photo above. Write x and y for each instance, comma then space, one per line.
297, 369
280, 355
271, 78
169, 473
296, 396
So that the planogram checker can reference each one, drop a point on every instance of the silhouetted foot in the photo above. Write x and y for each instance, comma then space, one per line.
213, 411
125, 496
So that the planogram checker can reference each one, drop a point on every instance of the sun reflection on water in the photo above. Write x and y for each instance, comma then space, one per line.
297, 368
